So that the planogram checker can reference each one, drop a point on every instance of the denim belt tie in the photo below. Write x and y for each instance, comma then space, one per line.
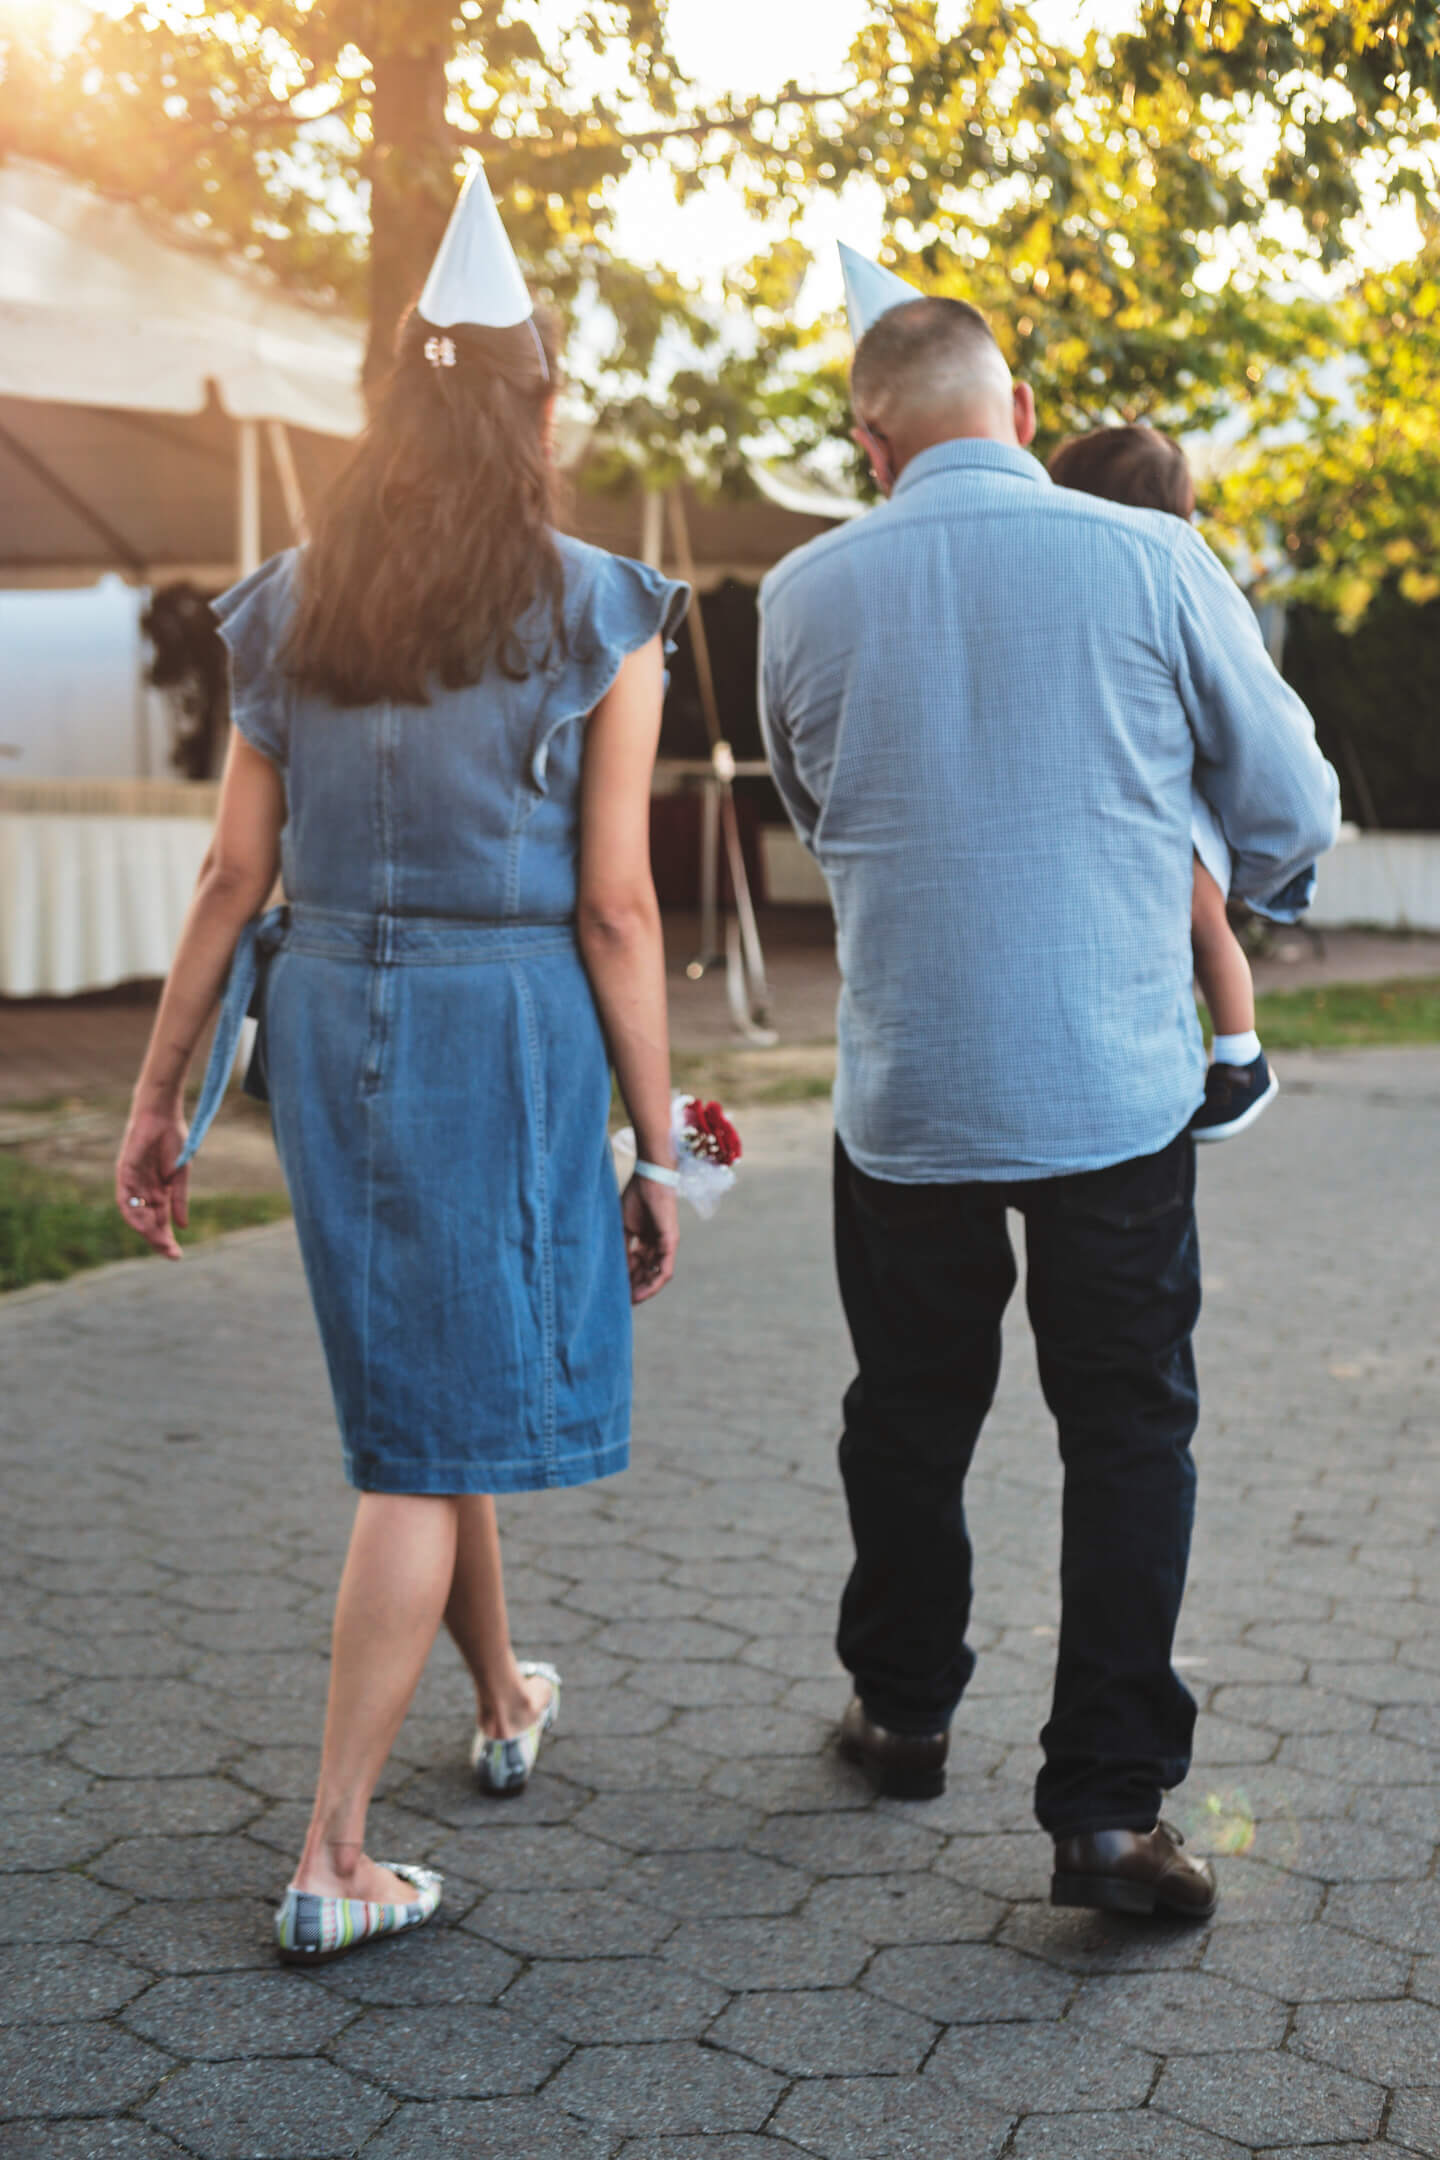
261, 936
380, 939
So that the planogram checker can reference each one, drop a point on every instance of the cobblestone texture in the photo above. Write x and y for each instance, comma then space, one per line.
697, 1933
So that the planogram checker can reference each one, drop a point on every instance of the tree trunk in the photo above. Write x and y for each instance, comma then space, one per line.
412, 183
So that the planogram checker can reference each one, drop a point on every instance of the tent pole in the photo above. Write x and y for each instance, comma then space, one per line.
749, 992
247, 496
283, 453
143, 759
699, 643
710, 951
652, 528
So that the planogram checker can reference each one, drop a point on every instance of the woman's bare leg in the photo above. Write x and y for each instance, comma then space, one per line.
392, 1596
1221, 968
505, 1701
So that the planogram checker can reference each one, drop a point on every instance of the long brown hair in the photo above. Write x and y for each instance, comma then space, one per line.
1127, 465
437, 537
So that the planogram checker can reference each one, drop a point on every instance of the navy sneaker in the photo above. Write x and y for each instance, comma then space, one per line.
1235, 1095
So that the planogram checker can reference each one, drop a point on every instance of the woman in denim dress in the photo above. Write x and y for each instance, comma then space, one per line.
446, 715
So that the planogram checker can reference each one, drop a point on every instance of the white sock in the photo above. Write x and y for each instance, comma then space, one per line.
1237, 1049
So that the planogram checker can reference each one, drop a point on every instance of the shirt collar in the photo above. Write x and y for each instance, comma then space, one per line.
971, 453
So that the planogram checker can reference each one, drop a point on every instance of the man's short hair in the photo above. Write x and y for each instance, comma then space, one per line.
926, 352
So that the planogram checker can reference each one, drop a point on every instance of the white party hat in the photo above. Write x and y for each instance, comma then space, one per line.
870, 290
475, 277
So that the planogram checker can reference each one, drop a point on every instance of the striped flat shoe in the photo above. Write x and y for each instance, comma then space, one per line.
502, 1767
311, 1930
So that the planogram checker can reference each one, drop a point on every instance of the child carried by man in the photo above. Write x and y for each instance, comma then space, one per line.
1139, 465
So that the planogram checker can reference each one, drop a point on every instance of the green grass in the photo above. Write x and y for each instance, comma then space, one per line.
787, 1074
51, 1226
1334, 1016
1351, 1015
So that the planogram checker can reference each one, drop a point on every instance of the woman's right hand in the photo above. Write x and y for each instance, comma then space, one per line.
151, 1194
651, 1215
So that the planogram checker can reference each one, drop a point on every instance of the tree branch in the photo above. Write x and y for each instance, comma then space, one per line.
279, 113
714, 123
735, 123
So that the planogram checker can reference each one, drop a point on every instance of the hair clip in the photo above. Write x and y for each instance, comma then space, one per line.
440, 351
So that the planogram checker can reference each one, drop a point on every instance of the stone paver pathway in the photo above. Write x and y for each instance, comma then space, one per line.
697, 1934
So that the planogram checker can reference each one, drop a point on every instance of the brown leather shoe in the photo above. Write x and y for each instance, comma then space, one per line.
1133, 1871
907, 1766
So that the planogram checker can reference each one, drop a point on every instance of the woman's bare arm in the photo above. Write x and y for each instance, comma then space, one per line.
619, 931
235, 880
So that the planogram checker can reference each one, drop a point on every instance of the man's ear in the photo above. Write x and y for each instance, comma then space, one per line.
1024, 398
882, 463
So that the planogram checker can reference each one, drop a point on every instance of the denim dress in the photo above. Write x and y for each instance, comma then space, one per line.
436, 1070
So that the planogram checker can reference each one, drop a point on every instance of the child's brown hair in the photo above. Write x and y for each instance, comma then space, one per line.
1135, 465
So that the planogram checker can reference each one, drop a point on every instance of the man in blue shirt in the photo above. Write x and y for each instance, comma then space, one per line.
984, 704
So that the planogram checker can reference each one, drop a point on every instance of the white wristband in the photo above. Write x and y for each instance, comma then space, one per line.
657, 1175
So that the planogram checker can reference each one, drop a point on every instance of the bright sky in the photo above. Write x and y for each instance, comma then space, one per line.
751, 47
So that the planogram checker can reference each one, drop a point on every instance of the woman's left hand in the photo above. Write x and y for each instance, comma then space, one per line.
152, 1195
651, 1215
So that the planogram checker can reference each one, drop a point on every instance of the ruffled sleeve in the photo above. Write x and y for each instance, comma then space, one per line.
611, 612
253, 618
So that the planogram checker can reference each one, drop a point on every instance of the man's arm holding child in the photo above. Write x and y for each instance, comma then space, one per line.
1256, 759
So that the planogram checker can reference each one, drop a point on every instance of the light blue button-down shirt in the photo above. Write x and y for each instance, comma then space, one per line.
985, 702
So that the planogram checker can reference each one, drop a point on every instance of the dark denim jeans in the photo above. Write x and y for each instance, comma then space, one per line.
1113, 1287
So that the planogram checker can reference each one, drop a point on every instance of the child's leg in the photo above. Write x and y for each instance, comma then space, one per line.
1223, 973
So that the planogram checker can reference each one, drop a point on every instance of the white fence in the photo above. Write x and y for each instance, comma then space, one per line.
1389, 880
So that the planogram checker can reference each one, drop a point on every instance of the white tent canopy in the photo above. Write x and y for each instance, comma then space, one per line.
102, 305
141, 373
134, 359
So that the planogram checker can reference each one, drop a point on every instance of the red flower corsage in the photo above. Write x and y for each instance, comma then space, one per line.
706, 1147
709, 1133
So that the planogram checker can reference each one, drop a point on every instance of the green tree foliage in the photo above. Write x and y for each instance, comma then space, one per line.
1334, 82
322, 136
1103, 220
1340, 493
1112, 205
1104, 200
